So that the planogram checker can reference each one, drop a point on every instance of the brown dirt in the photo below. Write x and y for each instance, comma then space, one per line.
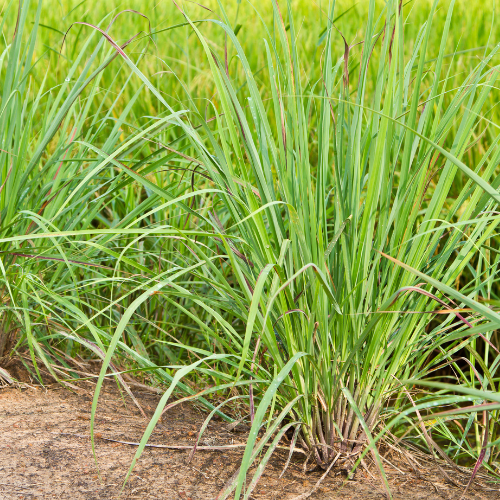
45, 453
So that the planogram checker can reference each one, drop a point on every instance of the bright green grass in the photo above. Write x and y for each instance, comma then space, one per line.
470, 30
164, 214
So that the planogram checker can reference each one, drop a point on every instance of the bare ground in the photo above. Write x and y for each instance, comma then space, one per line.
46, 453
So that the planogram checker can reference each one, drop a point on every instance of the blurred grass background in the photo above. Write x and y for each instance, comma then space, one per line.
171, 56
471, 32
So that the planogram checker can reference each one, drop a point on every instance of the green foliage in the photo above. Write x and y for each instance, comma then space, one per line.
315, 224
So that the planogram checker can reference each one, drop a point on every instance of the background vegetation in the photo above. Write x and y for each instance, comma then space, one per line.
290, 206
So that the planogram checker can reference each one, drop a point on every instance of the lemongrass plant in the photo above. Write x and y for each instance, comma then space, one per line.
316, 230
342, 232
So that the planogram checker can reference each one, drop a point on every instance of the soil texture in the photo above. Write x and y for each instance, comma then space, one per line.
46, 453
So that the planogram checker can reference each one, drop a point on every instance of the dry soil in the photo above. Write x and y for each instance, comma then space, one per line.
45, 453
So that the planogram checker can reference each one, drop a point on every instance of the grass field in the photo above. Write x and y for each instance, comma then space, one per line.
292, 208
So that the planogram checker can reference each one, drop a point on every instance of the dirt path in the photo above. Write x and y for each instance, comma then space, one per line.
43, 457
